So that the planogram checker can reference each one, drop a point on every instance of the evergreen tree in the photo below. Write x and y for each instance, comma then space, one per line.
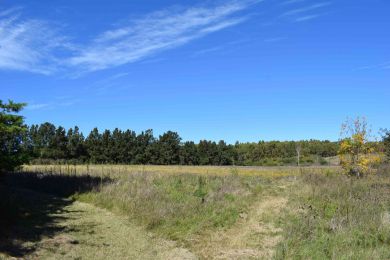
12, 130
48, 142
59, 144
144, 149
129, 140
386, 142
225, 154
45, 140
189, 154
106, 144
31, 143
94, 146
115, 146
208, 153
168, 147
76, 145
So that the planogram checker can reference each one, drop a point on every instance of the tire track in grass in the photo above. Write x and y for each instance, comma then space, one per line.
254, 236
95, 233
83, 231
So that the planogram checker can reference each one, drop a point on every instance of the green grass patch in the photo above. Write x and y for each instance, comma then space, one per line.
179, 206
337, 217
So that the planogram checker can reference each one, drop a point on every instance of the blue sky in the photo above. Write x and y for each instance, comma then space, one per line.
244, 70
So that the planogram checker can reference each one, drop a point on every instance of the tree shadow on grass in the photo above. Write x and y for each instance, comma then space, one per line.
32, 205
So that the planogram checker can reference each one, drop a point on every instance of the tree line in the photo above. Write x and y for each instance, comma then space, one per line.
46, 142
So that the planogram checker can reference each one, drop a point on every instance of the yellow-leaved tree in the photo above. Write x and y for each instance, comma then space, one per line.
357, 154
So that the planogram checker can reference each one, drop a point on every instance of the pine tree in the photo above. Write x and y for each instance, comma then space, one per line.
168, 147
225, 153
76, 146
145, 147
59, 144
130, 145
12, 129
386, 142
94, 146
189, 154
208, 153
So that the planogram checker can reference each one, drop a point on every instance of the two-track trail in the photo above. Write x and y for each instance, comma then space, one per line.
89, 232
76, 230
94, 233
254, 236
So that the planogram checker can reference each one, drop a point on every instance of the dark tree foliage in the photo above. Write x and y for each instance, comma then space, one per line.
386, 143
60, 143
107, 150
189, 154
47, 142
129, 145
145, 148
76, 147
168, 149
12, 131
226, 154
208, 153
94, 146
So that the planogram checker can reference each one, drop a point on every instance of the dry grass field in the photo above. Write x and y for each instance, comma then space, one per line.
183, 212
122, 170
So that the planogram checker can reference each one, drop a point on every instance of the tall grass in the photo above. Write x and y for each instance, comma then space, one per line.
333, 216
176, 202
329, 215
122, 170
181, 205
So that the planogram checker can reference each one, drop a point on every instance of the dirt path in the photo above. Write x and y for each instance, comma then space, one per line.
94, 233
253, 237
83, 231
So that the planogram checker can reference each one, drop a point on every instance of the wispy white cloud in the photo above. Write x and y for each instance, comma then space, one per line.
275, 39
156, 32
33, 45
306, 17
299, 11
27, 45
51, 105
223, 48
114, 81
289, 2
67, 103
207, 50
304, 13
379, 66
119, 75
37, 106
10, 11
152, 60
109, 80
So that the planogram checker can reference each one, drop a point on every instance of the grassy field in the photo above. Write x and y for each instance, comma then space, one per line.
183, 204
122, 170
333, 216
210, 212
